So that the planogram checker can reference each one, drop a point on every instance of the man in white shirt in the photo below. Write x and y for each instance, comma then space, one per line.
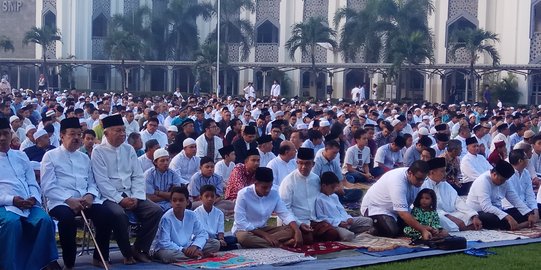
27, 232
521, 183
69, 186
249, 91
362, 92
208, 143
501, 135
186, 163
254, 206
152, 132
390, 198
130, 123
284, 163
275, 90
120, 180
472, 165
147, 160
299, 191
355, 93
172, 113
486, 196
265, 147
453, 212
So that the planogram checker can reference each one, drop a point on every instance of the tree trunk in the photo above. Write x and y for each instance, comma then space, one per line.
44, 67
472, 83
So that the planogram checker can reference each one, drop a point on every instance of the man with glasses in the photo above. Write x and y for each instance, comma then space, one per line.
299, 191
208, 143
152, 132
387, 202
276, 134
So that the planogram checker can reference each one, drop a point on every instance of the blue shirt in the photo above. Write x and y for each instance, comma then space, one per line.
175, 234
158, 181
198, 180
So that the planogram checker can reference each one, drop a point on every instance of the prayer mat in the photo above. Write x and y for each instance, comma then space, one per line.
376, 243
393, 252
319, 248
271, 256
486, 235
534, 232
224, 261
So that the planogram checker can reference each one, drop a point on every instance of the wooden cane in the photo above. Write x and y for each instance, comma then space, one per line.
94, 239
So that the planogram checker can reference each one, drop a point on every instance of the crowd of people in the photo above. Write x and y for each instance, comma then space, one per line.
179, 166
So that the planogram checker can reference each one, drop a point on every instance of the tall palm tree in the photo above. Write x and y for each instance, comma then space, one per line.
361, 33
475, 42
135, 24
45, 37
233, 30
306, 35
6, 44
183, 36
122, 45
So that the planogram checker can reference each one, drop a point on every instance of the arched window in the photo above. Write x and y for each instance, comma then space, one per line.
267, 33
537, 18
99, 26
49, 19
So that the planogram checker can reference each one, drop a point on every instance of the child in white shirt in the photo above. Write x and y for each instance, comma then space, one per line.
212, 219
225, 166
180, 235
329, 209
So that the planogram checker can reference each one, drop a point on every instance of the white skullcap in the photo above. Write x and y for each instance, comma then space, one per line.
426, 117
279, 113
28, 128
423, 131
339, 114
13, 118
395, 122
49, 113
188, 142
324, 123
102, 116
39, 133
172, 109
172, 128
160, 153
302, 126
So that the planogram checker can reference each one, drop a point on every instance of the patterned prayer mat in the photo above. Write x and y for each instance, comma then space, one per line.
319, 248
487, 235
224, 261
272, 256
534, 232
376, 243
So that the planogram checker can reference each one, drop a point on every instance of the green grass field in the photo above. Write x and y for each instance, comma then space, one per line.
507, 258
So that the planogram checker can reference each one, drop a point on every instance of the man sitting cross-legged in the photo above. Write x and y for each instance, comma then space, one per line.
253, 208
299, 190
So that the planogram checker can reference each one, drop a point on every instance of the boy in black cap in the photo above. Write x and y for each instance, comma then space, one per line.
265, 147
253, 208
485, 196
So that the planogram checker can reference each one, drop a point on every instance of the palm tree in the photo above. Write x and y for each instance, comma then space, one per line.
6, 44
305, 36
45, 37
233, 30
183, 36
474, 42
361, 33
135, 24
122, 45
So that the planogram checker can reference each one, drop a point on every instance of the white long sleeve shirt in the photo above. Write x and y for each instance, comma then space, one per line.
390, 194
212, 222
253, 212
449, 203
265, 158
329, 208
299, 194
280, 169
65, 175
158, 135
485, 196
185, 167
472, 166
131, 127
521, 183
17, 178
117, 171
175, 234
224, 170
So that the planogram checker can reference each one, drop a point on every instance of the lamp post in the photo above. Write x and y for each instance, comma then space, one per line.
218, 50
